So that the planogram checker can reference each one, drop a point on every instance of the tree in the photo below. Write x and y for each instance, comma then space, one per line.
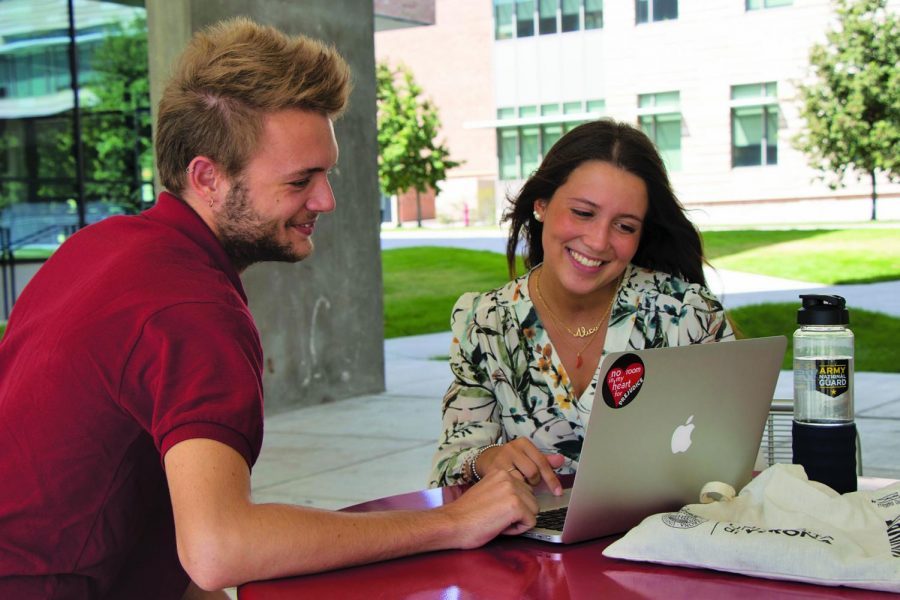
409, 157
852, 107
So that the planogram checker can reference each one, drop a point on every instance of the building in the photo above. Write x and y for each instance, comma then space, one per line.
713, 82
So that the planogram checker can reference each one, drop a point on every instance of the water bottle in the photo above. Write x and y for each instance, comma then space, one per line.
824, 433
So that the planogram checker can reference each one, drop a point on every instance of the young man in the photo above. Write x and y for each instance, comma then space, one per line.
130, 373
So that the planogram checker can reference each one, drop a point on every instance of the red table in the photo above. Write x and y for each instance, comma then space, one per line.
514, 568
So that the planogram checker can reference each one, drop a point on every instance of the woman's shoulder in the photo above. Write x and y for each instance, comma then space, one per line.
652, 284
477, 306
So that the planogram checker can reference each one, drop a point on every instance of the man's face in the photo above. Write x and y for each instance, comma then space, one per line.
270, 210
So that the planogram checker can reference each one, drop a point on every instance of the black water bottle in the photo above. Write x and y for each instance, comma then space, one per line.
824, 433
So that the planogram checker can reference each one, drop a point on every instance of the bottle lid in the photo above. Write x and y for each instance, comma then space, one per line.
823, 310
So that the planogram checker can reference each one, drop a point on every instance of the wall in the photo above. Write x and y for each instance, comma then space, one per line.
321, 321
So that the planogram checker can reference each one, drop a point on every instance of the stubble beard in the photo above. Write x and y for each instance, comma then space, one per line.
248, 238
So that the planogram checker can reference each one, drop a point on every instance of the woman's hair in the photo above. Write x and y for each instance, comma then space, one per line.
228, 78
669, 241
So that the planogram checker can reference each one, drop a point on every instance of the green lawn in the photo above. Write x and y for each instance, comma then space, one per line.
421, 285
824, 256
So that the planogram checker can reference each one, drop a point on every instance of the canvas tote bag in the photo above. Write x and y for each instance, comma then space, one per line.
780, 526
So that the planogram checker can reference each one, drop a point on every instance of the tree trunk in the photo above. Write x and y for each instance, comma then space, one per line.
874, 196
419, 209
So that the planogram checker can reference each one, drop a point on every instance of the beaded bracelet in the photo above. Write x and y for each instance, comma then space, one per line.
473, 473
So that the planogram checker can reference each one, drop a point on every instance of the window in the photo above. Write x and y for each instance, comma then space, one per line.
571, 15
660, 119
531, 131
547, 16
754, 125
524, 18
648, 11
758, 4
503, 19
593, 14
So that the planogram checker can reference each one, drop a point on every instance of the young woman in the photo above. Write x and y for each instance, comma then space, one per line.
614, 264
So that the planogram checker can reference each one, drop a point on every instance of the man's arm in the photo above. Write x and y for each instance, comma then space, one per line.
224, 539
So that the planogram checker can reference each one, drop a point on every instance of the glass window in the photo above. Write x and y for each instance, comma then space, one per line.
593, 14
571, 15
524, 18
506, 113
661, 122
596, 106
508, 148
549, 109
40, 182
549, 135
528, 111
758, 4
529, 146
648, 11
547, 16
754, 125
503, 19
571, 108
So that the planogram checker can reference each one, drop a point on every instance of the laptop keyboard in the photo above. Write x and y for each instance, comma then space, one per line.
552, 519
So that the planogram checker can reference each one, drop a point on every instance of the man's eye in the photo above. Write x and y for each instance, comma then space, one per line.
301, 183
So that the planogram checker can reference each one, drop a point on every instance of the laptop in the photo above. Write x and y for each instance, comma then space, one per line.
664, 422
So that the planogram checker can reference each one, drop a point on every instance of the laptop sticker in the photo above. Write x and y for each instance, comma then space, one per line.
623, 381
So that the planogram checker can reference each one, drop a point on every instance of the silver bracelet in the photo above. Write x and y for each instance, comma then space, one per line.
473, 473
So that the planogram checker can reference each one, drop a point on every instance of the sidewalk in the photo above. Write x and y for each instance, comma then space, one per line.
342, 453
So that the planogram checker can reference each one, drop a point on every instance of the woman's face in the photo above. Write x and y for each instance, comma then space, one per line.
592, 227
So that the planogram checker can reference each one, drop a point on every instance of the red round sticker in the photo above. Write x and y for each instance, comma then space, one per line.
623, 380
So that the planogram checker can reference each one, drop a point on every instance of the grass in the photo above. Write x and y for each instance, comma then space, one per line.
875, 333
421, 284
828, 256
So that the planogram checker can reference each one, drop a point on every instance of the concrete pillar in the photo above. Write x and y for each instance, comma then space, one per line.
321, 320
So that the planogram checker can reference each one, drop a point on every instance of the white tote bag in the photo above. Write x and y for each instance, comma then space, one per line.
781, 526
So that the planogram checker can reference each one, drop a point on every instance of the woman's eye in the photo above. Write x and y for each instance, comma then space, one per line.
581, 213
627, 228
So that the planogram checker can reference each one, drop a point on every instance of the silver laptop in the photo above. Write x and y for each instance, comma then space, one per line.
665, 422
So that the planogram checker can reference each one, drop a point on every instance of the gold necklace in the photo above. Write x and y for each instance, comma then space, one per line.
581, 331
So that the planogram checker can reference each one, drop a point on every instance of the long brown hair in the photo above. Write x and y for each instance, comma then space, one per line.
669, 241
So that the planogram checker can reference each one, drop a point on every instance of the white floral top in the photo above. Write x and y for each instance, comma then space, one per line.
509, 381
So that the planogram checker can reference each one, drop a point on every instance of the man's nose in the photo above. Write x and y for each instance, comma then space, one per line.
322, 199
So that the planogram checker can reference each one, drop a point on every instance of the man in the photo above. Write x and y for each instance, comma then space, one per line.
130, 373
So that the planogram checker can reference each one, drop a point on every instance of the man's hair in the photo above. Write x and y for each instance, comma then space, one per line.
230, 76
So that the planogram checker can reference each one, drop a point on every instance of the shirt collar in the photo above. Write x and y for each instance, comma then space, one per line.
176, 213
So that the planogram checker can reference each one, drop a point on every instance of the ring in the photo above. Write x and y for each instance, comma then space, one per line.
511, 469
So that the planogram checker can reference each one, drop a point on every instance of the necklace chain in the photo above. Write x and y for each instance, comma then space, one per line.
580, 332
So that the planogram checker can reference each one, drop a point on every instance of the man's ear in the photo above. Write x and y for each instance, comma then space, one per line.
205, 179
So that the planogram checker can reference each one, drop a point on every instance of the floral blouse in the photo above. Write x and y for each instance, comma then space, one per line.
509, 382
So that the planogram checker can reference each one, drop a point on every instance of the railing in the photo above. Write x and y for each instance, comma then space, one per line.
8, 260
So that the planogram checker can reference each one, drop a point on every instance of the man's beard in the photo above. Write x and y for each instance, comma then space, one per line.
246, 236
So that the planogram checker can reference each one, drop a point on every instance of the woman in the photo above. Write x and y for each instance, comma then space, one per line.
614, 264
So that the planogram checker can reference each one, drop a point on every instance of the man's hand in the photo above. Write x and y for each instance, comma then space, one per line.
522, 454
501, 503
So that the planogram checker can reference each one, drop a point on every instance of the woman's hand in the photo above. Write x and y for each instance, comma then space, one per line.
523, 456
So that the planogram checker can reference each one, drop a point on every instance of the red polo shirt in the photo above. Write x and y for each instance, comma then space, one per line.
134, 336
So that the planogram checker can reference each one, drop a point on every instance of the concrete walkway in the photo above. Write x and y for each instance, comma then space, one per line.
337, 454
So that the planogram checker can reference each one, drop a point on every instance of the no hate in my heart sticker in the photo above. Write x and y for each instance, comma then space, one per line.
623, 381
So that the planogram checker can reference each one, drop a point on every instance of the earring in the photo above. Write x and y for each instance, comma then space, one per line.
538, 217
189, 170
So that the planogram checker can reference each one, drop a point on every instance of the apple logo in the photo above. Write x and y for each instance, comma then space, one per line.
681, 438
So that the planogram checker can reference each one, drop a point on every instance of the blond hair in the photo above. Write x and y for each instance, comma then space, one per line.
232, 74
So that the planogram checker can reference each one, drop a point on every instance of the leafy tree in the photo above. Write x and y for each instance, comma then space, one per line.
409, 157
852, 108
